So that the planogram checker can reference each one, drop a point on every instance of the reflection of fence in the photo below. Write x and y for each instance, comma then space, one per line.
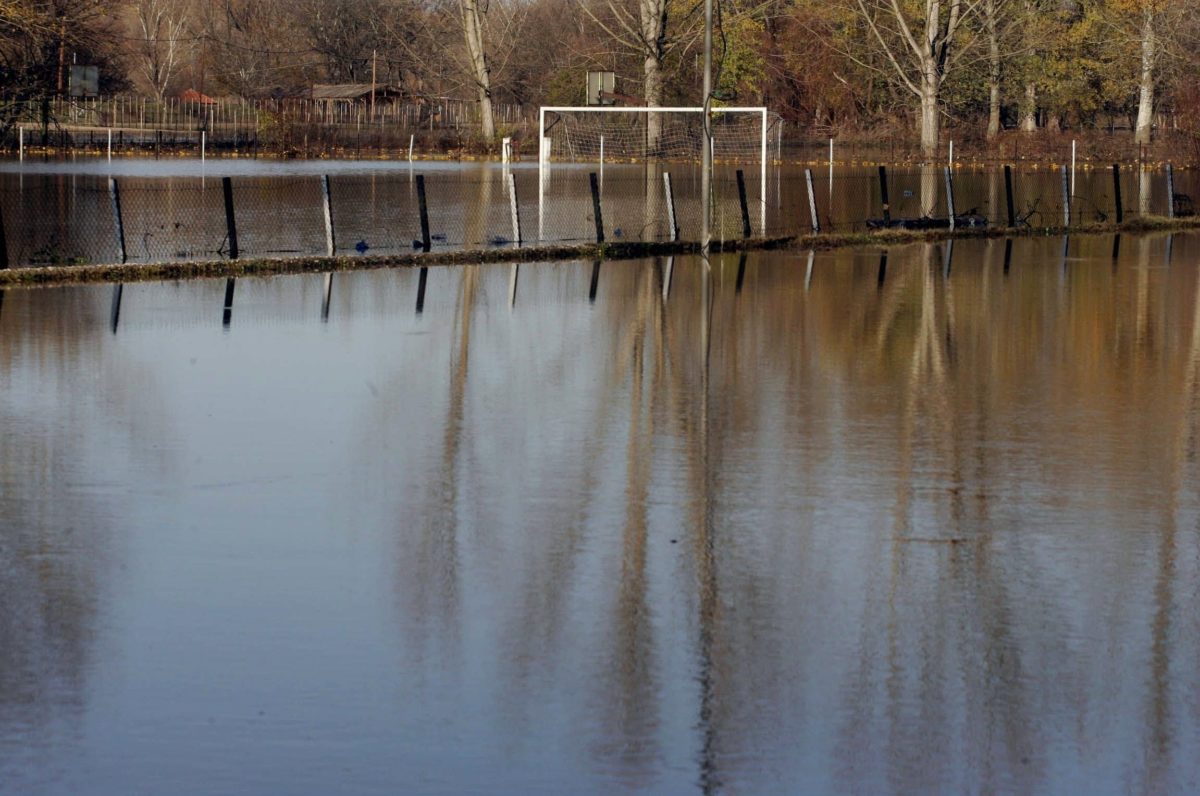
138, 122
63, 218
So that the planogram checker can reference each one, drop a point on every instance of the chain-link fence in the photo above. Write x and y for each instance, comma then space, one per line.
54, 218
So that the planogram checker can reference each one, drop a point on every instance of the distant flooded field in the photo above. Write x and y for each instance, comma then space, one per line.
924, 520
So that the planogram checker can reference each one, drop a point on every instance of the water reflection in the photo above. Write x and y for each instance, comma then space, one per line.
913, 520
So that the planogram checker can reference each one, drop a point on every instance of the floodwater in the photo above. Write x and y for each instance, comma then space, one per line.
175, 209
913, 524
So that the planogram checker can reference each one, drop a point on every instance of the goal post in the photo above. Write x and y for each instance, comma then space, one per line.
604, 133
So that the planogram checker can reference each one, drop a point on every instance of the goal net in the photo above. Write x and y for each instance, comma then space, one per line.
633, 135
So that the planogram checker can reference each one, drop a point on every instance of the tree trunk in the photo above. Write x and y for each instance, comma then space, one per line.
1145, 118
993, 127
652, 72
1029, 109
473, 31
652, 17
929, 118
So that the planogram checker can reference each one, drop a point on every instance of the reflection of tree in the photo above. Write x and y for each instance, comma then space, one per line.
899, 510
55, 533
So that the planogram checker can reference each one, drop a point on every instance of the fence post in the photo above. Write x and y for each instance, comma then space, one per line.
114, 193
883, 192
1117, 192
1008, 194
423, 210
812, 202
670, 192
596, 211
327, 203
741, 186
1170, 191
950, 197
230, 221
514, 207
1066, 196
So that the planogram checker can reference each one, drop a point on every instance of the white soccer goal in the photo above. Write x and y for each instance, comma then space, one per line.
600, 134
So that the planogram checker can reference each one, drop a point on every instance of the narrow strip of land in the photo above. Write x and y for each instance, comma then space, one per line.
55, 275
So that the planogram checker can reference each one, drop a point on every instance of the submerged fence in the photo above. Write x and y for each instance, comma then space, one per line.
48, 219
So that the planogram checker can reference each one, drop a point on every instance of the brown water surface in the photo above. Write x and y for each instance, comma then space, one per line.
912, 524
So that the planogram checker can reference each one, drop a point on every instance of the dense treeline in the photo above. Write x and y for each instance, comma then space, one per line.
827, 65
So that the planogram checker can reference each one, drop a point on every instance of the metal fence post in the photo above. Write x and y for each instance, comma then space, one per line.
1170, 191
230, 221
670, 195
514, 207
423, 210
596, 210
950, 196
1116, 171
1008, 194
883, 193
114, 193
741, 186
812, 202
1066, 196
327, 207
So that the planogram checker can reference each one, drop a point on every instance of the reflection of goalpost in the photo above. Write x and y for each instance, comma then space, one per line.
594, 133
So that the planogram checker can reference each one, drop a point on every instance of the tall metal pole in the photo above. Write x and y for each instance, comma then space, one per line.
706, 149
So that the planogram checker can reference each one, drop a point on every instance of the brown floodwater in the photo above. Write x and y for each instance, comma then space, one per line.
860, 522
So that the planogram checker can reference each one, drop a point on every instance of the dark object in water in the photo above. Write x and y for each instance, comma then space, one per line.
361, 247
1184, 207
965, 221
499, 240
418, 245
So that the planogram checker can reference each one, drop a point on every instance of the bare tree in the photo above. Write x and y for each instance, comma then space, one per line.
920, 43
473, 32
648, 29
164, 45
995, 16
252, 46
